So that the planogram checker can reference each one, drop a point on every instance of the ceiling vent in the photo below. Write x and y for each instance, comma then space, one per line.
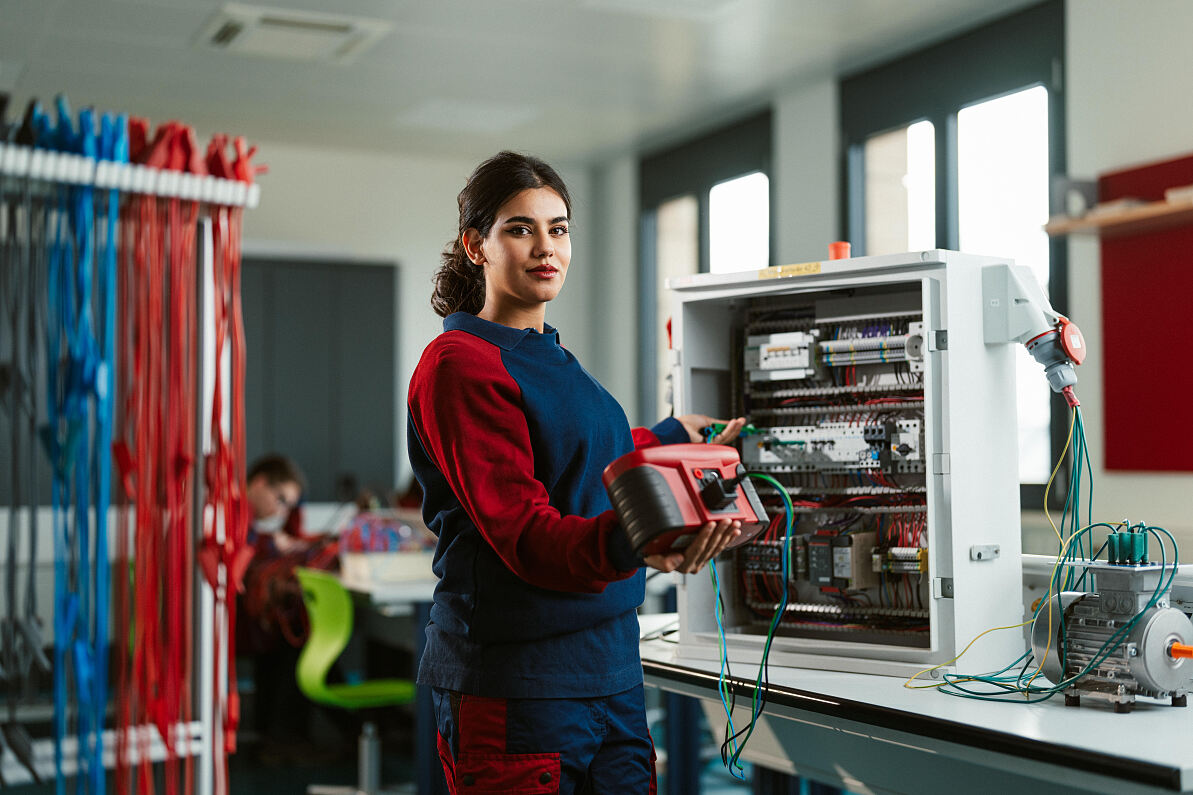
294, 35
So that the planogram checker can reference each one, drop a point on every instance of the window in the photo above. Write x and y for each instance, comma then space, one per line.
705, 207
677, 247
739, 224
1002, 154
901, 190
955, 147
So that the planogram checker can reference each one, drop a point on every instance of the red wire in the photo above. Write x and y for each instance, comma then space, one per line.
121, 616
240, 505
217, 486
146, 403
226, 505
155, 442
175, 500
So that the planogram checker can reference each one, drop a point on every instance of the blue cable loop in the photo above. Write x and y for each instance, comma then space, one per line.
84, 360
79, 388
65, 609
113, 147
43, 130
79, 373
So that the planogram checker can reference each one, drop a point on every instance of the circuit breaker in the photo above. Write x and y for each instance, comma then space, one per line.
890, 422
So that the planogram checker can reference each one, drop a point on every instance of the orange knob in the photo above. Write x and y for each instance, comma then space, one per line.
839, 250
1179, 650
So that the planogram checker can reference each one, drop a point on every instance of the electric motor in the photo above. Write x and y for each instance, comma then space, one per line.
1114, 643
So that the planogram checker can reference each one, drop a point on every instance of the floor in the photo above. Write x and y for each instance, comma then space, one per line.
257, 769
251, 779
250, 774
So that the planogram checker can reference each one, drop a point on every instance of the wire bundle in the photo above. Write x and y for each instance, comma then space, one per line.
62, 260
1017, 680
731, 748
100, 279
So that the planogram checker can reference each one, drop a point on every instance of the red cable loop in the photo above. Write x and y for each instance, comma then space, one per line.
154, 448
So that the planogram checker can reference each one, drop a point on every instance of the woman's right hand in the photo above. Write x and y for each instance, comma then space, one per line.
711, 541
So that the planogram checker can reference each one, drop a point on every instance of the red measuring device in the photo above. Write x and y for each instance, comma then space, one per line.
664, 495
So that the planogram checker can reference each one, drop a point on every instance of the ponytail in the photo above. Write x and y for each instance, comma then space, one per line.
459, 283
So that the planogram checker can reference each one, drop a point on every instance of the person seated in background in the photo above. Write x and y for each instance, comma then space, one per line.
272, 627
274, 488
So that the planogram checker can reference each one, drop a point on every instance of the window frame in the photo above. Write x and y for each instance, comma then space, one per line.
1016, 52
692, 167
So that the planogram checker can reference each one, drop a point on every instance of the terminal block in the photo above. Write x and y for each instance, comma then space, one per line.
899, 560
775, 357
764, 556
893, 446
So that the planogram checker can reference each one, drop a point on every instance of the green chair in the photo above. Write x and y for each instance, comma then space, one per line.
329, 610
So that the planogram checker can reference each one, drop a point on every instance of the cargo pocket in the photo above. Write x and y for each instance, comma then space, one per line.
489, 774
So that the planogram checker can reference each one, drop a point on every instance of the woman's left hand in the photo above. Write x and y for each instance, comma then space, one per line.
696, 423
712, 539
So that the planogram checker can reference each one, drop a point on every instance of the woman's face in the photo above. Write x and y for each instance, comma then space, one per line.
526, 253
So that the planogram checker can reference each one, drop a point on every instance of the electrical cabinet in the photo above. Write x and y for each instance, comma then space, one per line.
891, 423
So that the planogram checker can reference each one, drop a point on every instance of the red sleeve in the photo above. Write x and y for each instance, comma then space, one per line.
644, 437
468, 412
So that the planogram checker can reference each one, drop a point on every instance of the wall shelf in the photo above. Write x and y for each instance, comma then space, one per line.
1149, 217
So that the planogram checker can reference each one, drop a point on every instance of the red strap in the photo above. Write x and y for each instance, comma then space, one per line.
218, 164
138, 133
153, 449
224, 561
126, 465
243, 169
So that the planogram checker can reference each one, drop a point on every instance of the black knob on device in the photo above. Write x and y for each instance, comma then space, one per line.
719, 493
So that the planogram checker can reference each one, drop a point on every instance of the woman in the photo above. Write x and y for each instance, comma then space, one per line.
532, 648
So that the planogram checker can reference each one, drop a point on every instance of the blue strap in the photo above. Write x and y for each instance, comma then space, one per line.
63, 605
43, 129
67, 438
113, 147
80, 358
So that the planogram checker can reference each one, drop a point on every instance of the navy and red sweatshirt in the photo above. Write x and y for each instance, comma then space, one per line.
508, 436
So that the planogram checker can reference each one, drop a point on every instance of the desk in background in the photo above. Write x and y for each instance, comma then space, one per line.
870, 734
396, 613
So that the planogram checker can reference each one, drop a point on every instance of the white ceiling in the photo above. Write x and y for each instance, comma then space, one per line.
567, 79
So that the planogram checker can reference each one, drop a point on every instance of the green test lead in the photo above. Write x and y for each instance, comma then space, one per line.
747, 430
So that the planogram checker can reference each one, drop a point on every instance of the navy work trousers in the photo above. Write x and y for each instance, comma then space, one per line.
545, 745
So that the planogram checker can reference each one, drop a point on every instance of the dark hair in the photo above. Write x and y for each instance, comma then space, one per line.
277, 469
460, 283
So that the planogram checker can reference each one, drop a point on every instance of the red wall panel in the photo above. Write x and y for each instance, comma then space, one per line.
1147, 323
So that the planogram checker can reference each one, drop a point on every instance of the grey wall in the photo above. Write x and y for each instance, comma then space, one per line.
319, 384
